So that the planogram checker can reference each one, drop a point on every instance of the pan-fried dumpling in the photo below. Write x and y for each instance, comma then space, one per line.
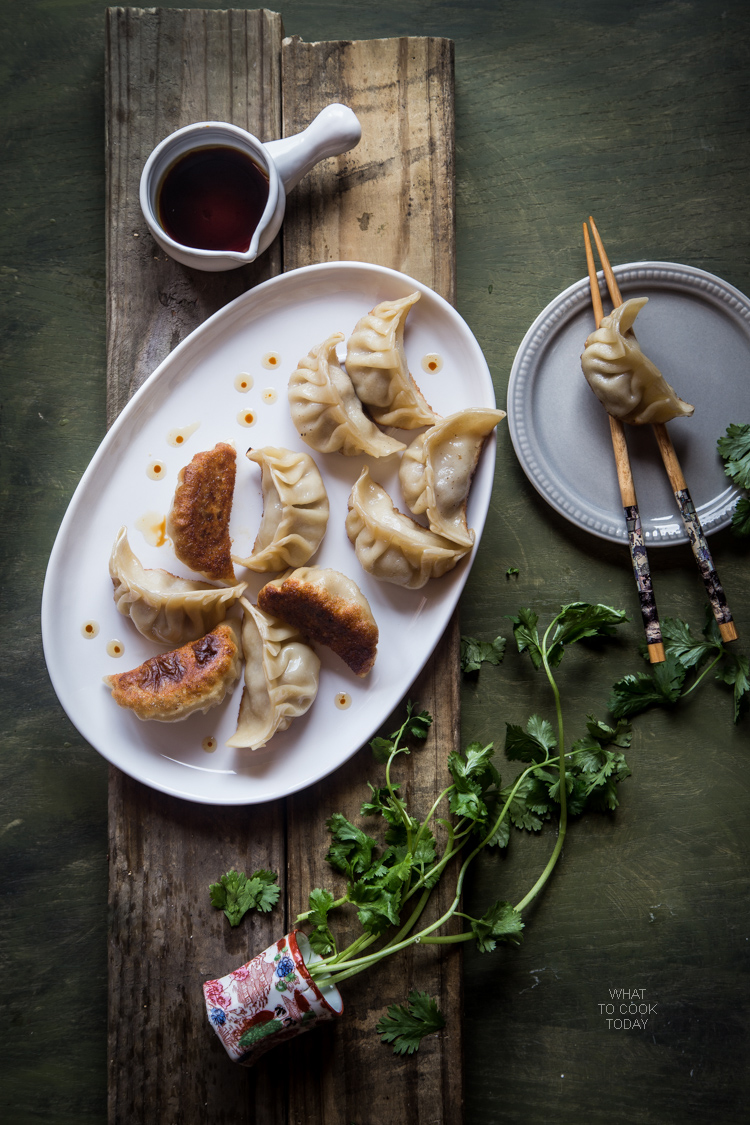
377, 366
330, 609
295, 510
166, 609
326, 411
628, 385
392, 546
437, 469
173, 685
281, 678
198, 521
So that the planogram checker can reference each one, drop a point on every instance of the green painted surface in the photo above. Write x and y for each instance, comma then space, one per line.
638, 114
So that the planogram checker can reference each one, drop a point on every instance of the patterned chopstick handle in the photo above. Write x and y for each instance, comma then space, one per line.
642, 574
714, 588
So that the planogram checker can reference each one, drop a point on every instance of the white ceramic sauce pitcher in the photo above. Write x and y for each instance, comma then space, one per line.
335, 130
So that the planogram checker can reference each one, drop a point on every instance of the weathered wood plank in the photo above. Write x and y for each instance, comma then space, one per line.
393, 204
166, 68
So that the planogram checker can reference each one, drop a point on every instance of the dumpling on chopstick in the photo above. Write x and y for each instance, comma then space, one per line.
295, 510
325, 409
281, 678
392, 546
173, 685
330, 609
378, 368
438, 467
164, 608
626, 382
198, 521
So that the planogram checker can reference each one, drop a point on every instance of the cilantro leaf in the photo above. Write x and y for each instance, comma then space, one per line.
321, 939
737, 674
633, 694
474, 653
741, 517
734, 448
382, 803
418, 726
512, 571
382, 748
235, 894
407, 1024
531, 745
527, 637
351, 849
680, 642
502, 922
531, 804
579, 620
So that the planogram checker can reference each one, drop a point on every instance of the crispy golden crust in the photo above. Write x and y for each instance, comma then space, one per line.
198, 522
174, 684
327, 618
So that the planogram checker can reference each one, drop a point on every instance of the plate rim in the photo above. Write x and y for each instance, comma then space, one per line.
668, 275
192, 340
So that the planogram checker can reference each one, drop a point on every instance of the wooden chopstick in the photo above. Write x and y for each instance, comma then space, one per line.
638, 554
701, 551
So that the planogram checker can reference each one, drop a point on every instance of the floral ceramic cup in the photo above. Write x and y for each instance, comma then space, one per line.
269, 1000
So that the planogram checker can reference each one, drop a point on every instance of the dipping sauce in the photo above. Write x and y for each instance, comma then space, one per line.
271, 360
89, 629
343, 700
115, 648
212, 198
269, 396
156, 470
179, 436
209, 744
153, 528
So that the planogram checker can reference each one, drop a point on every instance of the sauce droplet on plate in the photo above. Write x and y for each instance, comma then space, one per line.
156, 470
343, 700
153, 528
179, 436
89, 629
115, 648
246, 418
243, 382
271, 360
269, 395
432, 362
209, 744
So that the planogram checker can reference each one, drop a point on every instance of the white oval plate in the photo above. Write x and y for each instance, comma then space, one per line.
696, 329
287, 315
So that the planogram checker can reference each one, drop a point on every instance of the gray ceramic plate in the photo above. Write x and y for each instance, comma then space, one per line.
696, 329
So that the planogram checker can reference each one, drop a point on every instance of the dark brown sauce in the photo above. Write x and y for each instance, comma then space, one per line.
213, 198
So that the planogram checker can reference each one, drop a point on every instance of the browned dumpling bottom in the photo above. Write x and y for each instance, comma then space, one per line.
326, 617
198, 522
173, 685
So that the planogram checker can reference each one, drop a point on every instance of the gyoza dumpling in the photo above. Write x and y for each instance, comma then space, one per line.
198, 521
628, 384
377, 366
166, 609
173, 685
330, 609
437, 469
392, 546
295, 510
326, 411
281, 678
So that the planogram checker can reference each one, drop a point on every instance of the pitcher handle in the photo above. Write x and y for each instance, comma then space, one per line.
336, 129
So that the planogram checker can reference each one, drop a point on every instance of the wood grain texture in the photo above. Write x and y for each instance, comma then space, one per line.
393, 204
165, 938
168, 67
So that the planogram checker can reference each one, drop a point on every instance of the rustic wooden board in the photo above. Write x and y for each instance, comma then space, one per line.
390, 201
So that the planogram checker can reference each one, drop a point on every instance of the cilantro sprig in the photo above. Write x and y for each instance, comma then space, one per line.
734, 448
389, 878
475, 653
689, 661
235, 893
